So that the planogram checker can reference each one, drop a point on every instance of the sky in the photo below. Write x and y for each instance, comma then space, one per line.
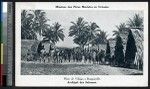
107, 20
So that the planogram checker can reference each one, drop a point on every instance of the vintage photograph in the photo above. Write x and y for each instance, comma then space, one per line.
87, 42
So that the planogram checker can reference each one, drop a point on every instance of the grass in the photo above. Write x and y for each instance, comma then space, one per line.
30, 68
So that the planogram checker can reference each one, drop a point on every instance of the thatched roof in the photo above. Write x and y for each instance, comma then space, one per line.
139, 39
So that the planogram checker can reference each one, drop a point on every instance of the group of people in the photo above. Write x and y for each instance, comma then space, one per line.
64, 55
59, 55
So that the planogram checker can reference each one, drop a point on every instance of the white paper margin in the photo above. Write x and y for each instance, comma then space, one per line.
58, 80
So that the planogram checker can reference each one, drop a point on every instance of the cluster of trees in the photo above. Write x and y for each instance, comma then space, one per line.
85, 33
35, 23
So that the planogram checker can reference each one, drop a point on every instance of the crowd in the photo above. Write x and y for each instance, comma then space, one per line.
76, 54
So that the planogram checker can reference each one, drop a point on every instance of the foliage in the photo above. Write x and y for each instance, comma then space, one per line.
130, 50
92, 30
35, 21
77, 27
78, 31
85, 34
26, 25
53, 34
108, 54
136, 22
121, 28
118, 54
40, 21
32, 22
100, 38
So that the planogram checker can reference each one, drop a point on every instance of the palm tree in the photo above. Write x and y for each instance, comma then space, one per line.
53, 33
77, 27
97, 40
122, 32
101, 38
116, 33
121, 28
48, 35
136, 22
40, 21
78, 30
58, 32
81, 39
92, 31
26, 25
23, 16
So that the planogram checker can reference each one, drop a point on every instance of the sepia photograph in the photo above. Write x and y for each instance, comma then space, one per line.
68, 42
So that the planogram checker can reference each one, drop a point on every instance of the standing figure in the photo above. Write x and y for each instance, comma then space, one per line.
39, 50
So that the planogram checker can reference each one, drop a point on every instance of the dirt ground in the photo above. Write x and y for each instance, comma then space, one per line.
30, 68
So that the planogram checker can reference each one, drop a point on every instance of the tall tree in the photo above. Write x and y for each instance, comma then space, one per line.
121, 28
26, 25
130, 50
104, 36
78, 31
101, 38
40, 22
118, 53
92, 30
136, 22
58, 32
77, 27
54, 33
91, 33
33, 23
81, 40
48, 35
122, 31
108, 54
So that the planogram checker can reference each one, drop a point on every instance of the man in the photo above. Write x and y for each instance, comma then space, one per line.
40, 47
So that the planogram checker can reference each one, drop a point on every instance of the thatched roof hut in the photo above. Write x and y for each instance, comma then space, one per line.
139, 39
